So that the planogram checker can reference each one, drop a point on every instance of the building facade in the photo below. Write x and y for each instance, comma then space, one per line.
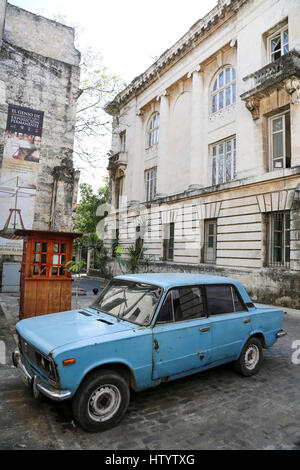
205, 163
39, 88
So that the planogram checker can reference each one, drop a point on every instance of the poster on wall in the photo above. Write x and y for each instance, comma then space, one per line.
18, 174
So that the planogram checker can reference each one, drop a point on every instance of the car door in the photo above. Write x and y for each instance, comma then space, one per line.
230, 321
181, 335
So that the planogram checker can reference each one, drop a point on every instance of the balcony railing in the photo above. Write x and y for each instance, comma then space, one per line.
120, 158
285, 67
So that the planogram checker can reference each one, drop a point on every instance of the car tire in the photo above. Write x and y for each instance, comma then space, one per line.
101, 401
250, 359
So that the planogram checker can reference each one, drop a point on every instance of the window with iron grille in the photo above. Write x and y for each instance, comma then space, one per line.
280, 141
150, 183
278, 233
223, 155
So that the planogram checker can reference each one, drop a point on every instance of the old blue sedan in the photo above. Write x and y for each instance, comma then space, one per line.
142, 330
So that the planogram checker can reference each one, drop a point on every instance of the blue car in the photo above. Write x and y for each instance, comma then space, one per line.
142, 330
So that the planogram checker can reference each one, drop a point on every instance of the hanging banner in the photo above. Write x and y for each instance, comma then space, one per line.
19, 171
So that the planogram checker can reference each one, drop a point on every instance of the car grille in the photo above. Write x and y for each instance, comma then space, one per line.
41, 361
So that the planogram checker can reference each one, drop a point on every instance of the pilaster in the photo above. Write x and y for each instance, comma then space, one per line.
163, 160
197, 128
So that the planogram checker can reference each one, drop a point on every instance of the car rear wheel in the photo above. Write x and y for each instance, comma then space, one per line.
250, 359
101, 401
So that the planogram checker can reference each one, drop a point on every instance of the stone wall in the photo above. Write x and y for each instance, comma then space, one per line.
267, 286
39, 69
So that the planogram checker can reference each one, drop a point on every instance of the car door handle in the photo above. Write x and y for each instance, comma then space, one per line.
202, 330
247, 320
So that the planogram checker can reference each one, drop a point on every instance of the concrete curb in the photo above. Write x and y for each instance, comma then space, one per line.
9, 318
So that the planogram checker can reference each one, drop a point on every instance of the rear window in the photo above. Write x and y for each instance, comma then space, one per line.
188, 303
223, 299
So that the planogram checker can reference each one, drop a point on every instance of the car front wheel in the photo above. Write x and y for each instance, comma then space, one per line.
101, 401
250, 359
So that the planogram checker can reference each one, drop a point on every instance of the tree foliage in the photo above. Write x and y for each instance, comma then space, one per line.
86, 219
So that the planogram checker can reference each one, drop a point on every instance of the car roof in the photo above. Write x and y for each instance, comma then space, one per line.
167, 280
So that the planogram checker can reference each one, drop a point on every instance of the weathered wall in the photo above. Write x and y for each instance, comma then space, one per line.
43, 74
35, 33
2, 17
265, 286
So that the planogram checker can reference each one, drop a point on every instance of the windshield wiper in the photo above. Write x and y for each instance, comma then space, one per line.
125, 305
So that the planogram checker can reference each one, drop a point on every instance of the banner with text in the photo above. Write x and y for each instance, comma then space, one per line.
19, 171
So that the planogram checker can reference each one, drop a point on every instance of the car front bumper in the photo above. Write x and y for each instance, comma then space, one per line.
35, 383
281, 333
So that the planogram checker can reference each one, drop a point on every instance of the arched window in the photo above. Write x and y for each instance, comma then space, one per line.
224, 89
153, 130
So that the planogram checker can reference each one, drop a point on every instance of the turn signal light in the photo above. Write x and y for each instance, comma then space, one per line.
68, 362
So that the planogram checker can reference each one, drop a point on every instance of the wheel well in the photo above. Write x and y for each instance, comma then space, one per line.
261, 338
121, 369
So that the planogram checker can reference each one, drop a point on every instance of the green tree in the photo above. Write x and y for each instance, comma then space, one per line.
76, 268
86, 219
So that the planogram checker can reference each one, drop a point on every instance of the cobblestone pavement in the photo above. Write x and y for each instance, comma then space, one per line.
216, 409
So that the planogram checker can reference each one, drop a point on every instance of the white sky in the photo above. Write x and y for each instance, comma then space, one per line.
129, 34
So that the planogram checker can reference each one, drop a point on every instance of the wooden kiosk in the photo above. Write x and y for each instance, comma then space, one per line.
45, 284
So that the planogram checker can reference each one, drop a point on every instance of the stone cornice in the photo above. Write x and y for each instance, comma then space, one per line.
234, 185
231, 185
198, 32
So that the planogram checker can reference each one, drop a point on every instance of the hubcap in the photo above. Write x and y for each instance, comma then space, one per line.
252, 357
104, 403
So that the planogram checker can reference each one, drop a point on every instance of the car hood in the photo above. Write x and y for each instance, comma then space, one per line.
48, 332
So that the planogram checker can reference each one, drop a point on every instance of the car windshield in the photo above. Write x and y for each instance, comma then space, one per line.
132, 301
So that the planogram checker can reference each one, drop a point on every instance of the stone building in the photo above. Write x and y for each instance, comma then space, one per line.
206, 151
39, 88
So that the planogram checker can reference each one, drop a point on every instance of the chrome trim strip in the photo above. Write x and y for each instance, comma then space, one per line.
281, 333
53, 393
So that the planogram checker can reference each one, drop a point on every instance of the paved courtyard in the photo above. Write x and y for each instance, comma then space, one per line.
216, 409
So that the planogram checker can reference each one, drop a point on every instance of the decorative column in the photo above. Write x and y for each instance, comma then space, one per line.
163, 156
137, 170
197, 129
292, 86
